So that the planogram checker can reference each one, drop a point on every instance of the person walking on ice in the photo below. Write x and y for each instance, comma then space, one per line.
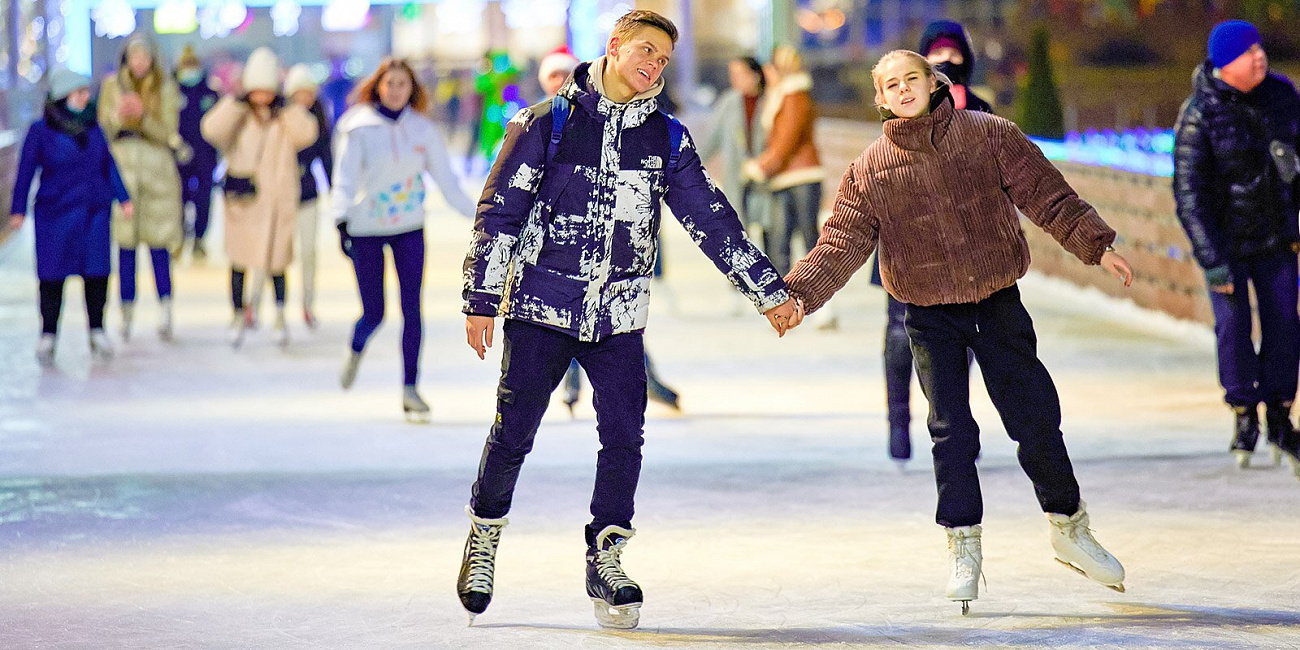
563, 247
939, 194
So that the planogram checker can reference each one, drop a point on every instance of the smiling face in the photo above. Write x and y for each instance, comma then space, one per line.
903, 85
640, 58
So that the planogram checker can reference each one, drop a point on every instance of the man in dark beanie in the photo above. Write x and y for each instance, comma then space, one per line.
1236, 192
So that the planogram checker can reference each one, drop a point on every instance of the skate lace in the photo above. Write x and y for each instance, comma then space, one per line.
609, 568
482, 556
1081, 535
964, 549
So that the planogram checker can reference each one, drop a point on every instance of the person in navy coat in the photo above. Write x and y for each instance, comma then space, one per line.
78, 184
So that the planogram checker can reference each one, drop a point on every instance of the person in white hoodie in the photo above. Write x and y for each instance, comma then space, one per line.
384, 144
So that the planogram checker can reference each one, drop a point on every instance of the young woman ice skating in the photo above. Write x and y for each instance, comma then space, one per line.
78, 185
260, 135
564, 247
384, 145
939, 194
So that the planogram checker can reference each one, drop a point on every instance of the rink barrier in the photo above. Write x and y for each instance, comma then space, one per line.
1140, 207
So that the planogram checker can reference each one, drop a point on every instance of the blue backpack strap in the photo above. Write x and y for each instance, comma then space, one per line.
560, 109
675, 133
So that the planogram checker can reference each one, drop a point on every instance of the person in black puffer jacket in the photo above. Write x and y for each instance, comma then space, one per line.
1236, 194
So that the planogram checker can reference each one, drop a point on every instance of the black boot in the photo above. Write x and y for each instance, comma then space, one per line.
617, 599
477, 566
1282, 434
1243, 444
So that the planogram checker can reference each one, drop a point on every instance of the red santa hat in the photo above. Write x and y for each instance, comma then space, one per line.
558, 60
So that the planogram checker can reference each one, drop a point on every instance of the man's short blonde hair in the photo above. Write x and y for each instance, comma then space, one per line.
638, 18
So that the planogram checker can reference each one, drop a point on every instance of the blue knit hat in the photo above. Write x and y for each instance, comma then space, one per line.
1230, 39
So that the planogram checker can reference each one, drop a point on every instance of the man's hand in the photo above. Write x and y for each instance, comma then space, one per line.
785, 316
478, 333
1118, 267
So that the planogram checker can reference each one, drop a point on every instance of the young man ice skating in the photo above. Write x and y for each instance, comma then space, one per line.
563, 248
939, 193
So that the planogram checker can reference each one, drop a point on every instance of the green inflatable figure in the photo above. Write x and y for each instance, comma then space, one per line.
501, 100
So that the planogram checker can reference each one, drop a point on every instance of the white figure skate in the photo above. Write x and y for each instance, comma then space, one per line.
965, 562
1078, 550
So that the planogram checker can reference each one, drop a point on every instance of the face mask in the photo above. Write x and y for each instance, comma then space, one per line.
190, 77
952, 70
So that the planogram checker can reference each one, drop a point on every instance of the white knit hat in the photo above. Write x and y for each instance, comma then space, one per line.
557, 60
63, 81
299, 78
262, 71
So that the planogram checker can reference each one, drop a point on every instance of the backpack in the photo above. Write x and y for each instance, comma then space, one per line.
561, 108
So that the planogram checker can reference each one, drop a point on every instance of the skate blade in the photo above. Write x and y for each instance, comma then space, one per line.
1119, 587
621, 617
965, 608
1243, 458
471, 616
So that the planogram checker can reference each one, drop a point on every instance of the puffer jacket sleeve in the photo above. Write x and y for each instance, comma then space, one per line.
299, 126
508, 197
220, 125
1037, 187
714, 225
846, 242
1194, 189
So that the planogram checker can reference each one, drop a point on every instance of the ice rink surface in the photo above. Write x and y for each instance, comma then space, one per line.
188, 496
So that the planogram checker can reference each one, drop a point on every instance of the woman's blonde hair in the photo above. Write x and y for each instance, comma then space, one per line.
919, 60
786, 60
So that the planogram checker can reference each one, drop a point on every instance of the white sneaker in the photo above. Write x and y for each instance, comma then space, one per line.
1078, 550
965, 562
350, 367
45, 351
101, 349
416, 410
165, 319
281, 327
128, 315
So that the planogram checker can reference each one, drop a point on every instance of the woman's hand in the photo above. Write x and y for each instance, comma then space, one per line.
16, 221
128, 210
130, 107
1118, 267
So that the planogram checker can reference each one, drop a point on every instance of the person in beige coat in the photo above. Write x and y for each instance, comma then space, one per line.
139, 110
260, 135
788, 166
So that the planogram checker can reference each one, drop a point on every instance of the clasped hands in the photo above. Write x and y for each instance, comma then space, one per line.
479, 330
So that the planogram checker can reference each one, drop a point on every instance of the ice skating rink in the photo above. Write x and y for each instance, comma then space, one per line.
186, 496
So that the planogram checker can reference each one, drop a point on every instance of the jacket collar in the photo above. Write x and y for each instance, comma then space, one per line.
925, 131
584, 88
799, 82
363, 115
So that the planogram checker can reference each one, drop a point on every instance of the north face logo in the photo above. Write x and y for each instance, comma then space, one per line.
653, 162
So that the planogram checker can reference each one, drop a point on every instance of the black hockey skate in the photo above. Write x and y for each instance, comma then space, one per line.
617, 600
1277, 419
474, 586
1247, 433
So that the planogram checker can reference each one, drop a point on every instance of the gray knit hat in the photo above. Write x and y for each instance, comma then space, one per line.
63, 81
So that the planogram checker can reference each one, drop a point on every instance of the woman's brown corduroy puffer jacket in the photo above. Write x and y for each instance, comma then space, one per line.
939, 192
